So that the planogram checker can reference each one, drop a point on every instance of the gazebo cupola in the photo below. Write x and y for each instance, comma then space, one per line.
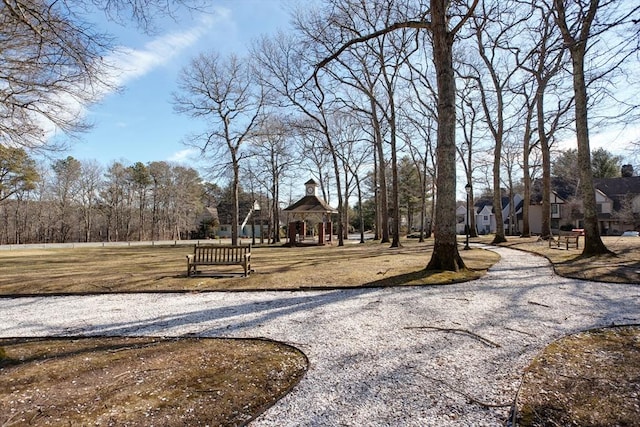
310, 188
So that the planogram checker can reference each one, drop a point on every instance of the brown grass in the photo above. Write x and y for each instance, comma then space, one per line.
589, 379
143, 381
163, 269
622, 267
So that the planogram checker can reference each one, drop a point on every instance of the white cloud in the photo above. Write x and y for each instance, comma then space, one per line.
185, 155
615, 140
127, 63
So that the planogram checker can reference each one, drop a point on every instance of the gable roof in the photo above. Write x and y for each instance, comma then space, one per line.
617, 189
311, 204
210, 212
488, 202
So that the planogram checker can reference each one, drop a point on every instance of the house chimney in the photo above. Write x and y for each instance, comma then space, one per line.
627, 170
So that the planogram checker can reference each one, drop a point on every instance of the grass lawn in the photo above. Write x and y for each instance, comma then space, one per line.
163, 269
621, 267
141, 381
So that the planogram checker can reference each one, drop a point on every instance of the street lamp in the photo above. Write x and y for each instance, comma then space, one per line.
255, 207
468, 190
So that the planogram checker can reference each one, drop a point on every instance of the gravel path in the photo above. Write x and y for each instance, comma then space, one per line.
430, 356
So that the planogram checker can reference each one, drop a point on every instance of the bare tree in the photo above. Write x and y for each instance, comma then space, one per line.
64, 187
363, 69
469, 118
116, 203
141, 181
271, 160
543, 58
285, 66
185, 188
445, 252
224, 93
578, 23
87, 197
53, 59
492, 38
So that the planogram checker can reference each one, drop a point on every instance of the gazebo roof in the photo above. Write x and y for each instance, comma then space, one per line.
310, 204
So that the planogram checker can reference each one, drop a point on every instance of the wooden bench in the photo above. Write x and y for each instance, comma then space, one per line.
566, 239
219, 255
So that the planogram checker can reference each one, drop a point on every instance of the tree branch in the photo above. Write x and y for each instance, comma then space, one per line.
456, 330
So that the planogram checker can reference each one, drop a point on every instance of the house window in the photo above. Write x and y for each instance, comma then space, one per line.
554, 209
599, 208
486, 218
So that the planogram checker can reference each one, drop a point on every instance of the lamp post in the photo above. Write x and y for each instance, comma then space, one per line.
256, 207
468, 190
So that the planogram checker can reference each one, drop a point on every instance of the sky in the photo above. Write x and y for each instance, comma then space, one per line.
137, 123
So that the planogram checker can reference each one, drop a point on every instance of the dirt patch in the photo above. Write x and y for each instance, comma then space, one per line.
589, 379
142, 381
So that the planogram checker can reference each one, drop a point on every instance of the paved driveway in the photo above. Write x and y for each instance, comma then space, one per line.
430, 356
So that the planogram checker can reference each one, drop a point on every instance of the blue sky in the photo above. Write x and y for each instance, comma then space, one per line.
138, 123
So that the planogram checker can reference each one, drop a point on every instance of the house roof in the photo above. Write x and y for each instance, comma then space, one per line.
617, 189
483, 202
311, 204
560, 186
211, 212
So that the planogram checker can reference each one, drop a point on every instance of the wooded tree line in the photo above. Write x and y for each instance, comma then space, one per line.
72, 200
355, 88
82, 201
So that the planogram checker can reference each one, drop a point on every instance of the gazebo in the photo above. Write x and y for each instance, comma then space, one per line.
310, 210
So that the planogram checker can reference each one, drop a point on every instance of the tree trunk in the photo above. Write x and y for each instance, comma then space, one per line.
526, 174
336, 169
235, 217
497, 194
395, 243
376, 196
593, 244
382, 179
445, 250
545, 232
577, 48
471, 211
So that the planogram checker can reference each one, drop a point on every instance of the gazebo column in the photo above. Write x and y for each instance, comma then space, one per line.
321, 233
292, 232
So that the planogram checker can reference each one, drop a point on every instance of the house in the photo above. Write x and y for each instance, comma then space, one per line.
208, 226
485, 215
618, 204
560, 214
